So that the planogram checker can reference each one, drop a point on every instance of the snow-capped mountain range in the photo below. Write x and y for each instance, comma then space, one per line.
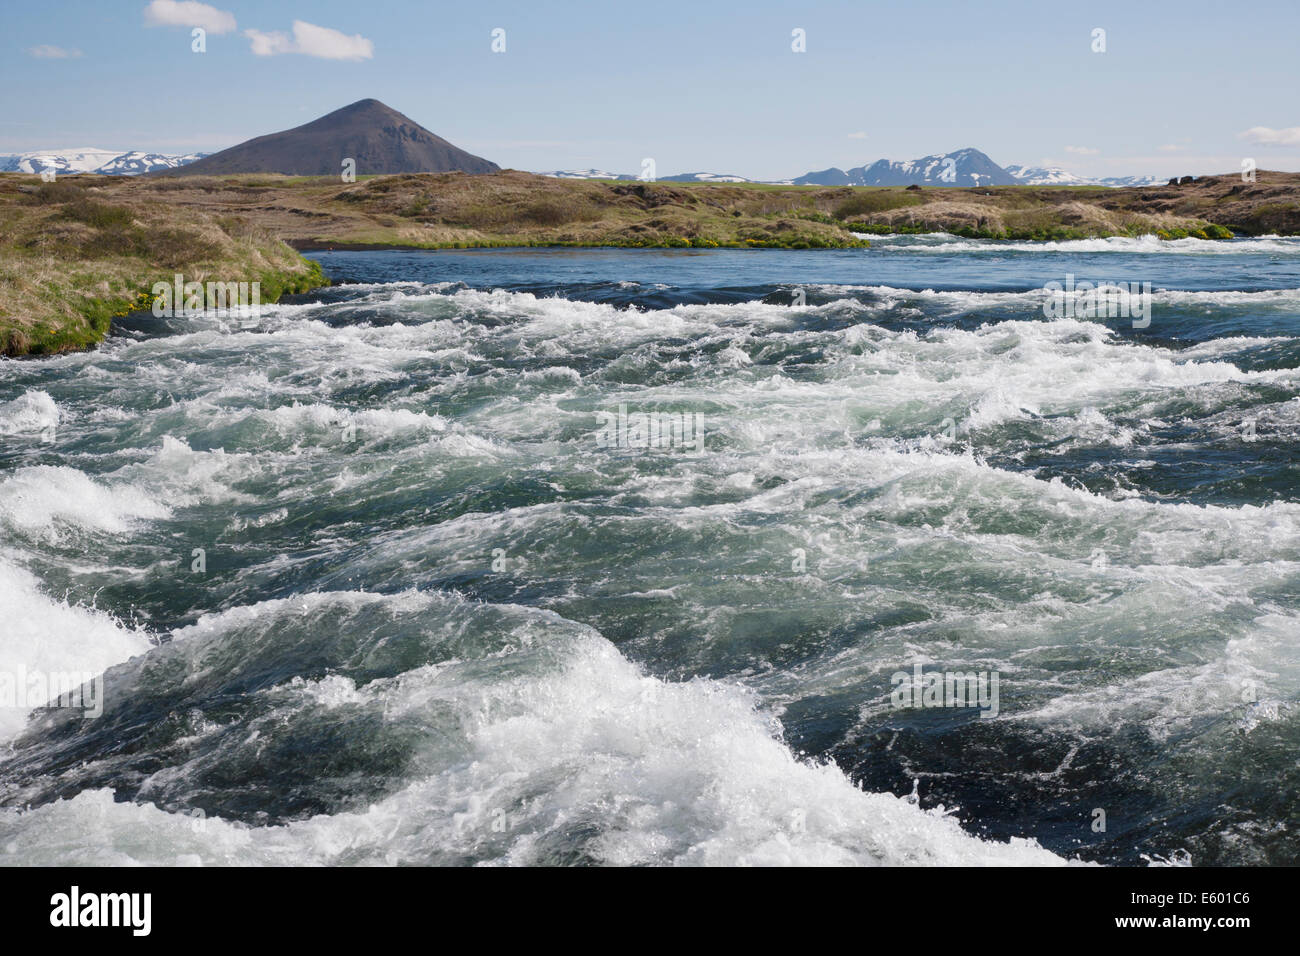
706, 178
88, 159
1046, 176
1056, 176
964, 167
679, 178
585, 174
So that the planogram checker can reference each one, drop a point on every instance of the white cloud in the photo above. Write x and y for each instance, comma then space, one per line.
857, 135
311, 40
1082, 150
269, 44
188, 13
47, 52
1267, 136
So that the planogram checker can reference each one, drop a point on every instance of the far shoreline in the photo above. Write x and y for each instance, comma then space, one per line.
78, 251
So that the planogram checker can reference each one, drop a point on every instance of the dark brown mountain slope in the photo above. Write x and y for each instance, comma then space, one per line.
379, 139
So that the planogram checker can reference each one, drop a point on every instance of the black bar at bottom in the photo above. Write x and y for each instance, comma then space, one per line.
221, 905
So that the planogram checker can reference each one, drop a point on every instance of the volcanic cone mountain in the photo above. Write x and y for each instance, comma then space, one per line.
379, 139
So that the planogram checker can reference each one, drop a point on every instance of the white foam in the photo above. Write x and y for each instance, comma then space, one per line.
1256, 673
1033, 299
39, 634
368, 423
178, 476
33, 411
45, 496
685, 774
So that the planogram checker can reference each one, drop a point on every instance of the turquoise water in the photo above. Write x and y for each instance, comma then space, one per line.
367, 582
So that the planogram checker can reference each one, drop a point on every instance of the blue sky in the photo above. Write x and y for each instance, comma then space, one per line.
1183, 87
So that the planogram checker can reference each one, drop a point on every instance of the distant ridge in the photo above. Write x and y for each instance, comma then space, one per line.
961, 168
378, 138
965, 167
88, 159
679, 178
1056, 176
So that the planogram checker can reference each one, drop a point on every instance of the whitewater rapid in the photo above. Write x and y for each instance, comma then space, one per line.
438, 623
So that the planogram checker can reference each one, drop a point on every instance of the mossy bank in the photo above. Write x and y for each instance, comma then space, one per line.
73, 256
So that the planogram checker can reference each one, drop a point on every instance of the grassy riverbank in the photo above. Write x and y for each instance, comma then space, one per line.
73, 255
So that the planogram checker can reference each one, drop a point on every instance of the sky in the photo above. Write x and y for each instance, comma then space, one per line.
711, 85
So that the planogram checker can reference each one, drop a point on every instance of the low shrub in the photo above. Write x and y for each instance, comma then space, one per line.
866, 203
101, 215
